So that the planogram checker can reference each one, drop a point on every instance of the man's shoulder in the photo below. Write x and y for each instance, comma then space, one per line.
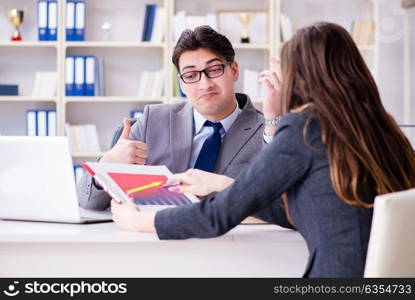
248, 109
162, 109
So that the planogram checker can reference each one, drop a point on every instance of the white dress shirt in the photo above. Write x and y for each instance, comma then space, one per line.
203, 132
268, 138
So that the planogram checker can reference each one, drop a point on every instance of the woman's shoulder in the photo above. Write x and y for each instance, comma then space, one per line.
294, 123
298, 117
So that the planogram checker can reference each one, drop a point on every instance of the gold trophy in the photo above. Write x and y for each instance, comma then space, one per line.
245, 19
15, 17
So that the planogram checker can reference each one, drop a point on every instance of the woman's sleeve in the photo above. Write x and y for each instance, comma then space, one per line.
272, 172
274, 213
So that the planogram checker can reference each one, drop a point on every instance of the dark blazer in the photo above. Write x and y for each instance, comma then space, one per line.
336, 233
168, 131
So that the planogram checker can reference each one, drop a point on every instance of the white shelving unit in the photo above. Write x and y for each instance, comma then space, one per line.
28, 44
253, 56
125, 56
81, 155
26, 99
114, 44
343, 12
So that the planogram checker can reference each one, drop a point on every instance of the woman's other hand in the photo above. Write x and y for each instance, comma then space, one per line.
198, 182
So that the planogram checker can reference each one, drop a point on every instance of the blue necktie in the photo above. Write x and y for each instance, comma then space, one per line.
210, 150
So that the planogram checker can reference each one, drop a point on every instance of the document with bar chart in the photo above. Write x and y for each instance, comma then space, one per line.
143, 184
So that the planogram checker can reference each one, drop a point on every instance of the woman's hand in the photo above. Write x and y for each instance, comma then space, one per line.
271, 106
128, 216
200, 183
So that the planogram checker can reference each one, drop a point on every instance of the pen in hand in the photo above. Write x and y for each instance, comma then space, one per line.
173, 187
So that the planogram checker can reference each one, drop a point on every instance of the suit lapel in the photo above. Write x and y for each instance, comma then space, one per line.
181, 136
244, 127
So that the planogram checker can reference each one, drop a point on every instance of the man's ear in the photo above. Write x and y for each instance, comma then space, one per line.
181, 85
235, 70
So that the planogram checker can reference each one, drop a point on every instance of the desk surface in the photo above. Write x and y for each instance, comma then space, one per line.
36, 249
18, 231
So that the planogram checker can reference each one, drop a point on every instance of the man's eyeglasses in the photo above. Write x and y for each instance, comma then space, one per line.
210, 72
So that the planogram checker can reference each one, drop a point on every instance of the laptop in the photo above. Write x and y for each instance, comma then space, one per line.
37, 182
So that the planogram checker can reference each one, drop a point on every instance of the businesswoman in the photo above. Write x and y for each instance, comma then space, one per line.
334, 149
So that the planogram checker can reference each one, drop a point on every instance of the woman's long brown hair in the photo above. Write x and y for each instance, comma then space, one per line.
323, 69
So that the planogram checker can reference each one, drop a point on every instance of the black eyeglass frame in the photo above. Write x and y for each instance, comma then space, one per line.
228, 63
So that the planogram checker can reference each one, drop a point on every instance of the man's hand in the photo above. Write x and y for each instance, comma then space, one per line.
126, 151
272, 103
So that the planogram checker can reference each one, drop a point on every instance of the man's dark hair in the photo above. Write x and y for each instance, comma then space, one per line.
203, 37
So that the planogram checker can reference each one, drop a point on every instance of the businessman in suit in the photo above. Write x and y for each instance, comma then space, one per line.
217, 130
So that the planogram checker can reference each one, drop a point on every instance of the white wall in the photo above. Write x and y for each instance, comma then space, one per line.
391, 57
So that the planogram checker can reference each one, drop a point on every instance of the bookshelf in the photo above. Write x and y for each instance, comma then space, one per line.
126, 57
82, 155
114, 44
344, 12
26, 99
28, 44
252, 56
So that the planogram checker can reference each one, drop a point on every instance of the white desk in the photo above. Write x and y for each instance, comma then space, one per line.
32, 249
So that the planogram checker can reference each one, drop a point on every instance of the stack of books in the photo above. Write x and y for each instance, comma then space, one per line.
78, 171
136, 114
182, 22
151, 84
154, 24
47, 20
75, 20
288, 27
41, 122
177, 91
9, 90
251, 87
45, 84
363, 32
84, 76
82, 138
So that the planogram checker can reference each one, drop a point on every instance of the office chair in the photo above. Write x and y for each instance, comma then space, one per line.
391, 251
119, 130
